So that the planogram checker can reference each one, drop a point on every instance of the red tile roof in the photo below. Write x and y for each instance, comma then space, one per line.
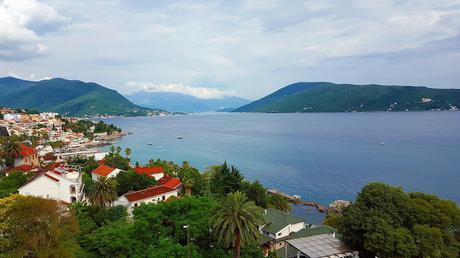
148, 193
103, 170
50, 177
149, 171
27, 151
23, 168
169, 181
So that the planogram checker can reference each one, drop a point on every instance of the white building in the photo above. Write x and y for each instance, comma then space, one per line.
62, 183
104, 171
278, 228
12, 117
153, 194
48, 115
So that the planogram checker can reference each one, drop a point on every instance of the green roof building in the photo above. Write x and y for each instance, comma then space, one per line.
279, 226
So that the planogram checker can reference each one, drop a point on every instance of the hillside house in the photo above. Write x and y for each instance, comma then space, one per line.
171, 182
155, 172
62, 183
152, 194
279, 225
28, 156
104, 171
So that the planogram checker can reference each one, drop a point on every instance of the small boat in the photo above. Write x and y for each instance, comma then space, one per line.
382, 143
179, 137
150, 144
160, 147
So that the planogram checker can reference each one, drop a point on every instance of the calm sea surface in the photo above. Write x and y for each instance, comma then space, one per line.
322, 157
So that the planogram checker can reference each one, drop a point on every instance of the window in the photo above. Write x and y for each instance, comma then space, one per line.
135, 205
72, 189
163, 197
73, 199
279, 234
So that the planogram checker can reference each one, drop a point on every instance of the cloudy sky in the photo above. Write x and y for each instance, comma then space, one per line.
244, 48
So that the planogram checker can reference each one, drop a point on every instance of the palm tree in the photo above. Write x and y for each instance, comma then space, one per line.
10, 150
103, 191
112, 149
79, 207
118, 148
127, 152
236, 222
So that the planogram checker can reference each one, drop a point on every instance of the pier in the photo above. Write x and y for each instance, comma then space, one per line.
296, 199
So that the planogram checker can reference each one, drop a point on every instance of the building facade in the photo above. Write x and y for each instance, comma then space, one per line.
62, 183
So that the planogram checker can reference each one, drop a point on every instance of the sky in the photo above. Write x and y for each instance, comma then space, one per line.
210, 49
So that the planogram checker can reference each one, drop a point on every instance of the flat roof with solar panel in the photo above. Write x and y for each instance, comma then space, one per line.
320, 246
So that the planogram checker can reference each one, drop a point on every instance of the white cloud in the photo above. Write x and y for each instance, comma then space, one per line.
21, 24
198, 92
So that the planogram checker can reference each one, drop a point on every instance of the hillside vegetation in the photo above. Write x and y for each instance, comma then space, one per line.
68, 97
330, 97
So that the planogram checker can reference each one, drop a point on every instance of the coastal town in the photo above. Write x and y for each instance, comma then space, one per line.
48, 160
46, 150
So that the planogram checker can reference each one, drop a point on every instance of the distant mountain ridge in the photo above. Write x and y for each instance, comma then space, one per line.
68, 97
331, 97
178, 102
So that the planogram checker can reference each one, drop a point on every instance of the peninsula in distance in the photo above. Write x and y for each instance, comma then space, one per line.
331, 97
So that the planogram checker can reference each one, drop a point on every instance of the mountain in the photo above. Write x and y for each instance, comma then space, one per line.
68, 97
331, 97
184, 103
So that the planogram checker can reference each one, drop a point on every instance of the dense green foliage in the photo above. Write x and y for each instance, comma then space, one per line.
68, 97
387, 222
10, 184
330, 97
101, 127
130, 180
154, 231
84, 126
115, 160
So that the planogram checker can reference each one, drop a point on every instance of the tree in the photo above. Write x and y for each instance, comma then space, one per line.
12, 182
36, 227
429, 241
128, 152
192, 178
169, 248
10, 149
256, 192
112, 149
103, 191
118, 150
279, 202
113, 240
387, 222
236, 221
115, 160
166, 219
226, 179
130, 180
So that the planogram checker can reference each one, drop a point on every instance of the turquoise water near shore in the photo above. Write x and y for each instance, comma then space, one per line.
322, 157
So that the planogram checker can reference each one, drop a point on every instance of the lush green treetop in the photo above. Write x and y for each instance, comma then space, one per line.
387, 222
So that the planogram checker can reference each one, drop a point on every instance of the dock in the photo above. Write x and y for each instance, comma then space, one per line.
296, 199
